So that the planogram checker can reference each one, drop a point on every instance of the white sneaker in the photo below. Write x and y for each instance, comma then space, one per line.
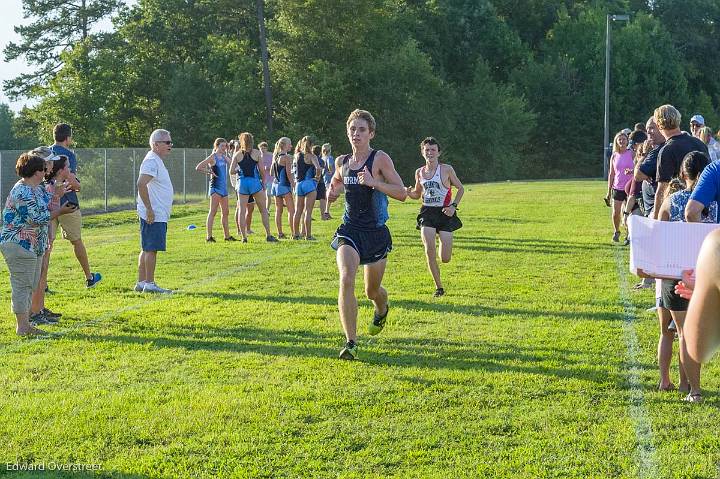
139, 286
154, 288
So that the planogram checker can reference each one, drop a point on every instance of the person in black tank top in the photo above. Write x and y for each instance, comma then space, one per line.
247, 176
307, 171
438, 215
368, 178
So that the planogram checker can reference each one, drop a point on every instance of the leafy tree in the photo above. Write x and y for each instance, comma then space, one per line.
58, 27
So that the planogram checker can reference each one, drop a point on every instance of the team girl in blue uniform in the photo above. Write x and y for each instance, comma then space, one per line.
283, 184
438, 215
216, 165
249, 180
307, 174
368, 177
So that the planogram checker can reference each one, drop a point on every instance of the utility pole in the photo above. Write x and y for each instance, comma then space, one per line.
606, 135
266, 66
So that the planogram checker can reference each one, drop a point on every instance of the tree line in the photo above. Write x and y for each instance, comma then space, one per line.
511, 88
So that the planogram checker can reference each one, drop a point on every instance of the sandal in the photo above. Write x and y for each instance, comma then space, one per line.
693, 397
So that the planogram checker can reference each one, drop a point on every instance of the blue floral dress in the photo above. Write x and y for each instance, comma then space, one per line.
679, 200
26, 217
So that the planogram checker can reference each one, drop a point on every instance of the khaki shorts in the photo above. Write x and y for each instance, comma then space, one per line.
71, 225
24, 269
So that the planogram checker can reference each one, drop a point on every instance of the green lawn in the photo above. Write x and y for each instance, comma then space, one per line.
539, 362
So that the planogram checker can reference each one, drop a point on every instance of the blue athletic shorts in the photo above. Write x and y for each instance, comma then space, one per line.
216, 191
305, 187
279, 190
249, 186
153, 236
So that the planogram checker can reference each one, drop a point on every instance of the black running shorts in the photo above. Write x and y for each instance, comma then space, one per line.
619, 195
669, 299
371, 245
433, 217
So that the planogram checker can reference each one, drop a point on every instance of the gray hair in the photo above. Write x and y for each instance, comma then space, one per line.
159, 135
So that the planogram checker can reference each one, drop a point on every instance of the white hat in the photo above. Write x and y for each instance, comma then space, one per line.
45, 153
698, 119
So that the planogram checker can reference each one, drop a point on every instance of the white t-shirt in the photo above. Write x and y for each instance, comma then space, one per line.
160, 189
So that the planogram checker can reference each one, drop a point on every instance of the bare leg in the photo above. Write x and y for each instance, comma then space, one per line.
248, 216
689, 369
81, 255
309, 205
665, 345
242, 207
616, 211
237, 216
290, 205
428, 238
348, 262
260, 200
446, 243
299, 208
224, 213
146, 267
278, 214
323, 207
214, 198
38, 295
373, 285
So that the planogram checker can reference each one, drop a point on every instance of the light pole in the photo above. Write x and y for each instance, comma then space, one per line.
606, 136
266, 67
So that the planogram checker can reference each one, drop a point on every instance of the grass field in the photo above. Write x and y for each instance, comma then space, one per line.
538, 363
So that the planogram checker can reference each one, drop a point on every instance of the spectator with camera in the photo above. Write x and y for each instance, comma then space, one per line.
24, 236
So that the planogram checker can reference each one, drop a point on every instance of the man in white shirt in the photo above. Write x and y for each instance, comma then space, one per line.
154, 205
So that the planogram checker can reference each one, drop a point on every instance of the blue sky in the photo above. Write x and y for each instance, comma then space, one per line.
13, 15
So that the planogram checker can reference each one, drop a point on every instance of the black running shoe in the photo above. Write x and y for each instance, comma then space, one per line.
349, 352
439, 292
378, 322
50, 314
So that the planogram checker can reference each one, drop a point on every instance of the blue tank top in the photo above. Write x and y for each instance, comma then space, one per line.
365, 207
304, 171
219, 181
278, 171
247, 167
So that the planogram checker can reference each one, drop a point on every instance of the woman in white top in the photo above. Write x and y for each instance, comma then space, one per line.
438, 215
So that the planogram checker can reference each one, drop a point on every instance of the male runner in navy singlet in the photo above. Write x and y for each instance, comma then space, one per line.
368, 177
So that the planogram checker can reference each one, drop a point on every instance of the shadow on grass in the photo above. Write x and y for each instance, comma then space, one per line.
441, 308
515, 245
432, 354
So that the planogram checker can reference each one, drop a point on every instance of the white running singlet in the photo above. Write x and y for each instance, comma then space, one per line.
434, 192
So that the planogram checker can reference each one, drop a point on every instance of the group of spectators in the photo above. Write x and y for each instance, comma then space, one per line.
44, 198
295, 181
667, 174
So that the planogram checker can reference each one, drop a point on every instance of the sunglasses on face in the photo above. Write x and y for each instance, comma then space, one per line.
166, 142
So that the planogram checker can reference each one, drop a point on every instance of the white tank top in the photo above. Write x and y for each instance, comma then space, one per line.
434, 192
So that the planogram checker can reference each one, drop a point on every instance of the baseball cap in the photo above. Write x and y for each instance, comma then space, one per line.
698, 119
626, 131
45, 153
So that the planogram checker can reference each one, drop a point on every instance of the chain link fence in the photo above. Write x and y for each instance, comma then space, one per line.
108, 176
